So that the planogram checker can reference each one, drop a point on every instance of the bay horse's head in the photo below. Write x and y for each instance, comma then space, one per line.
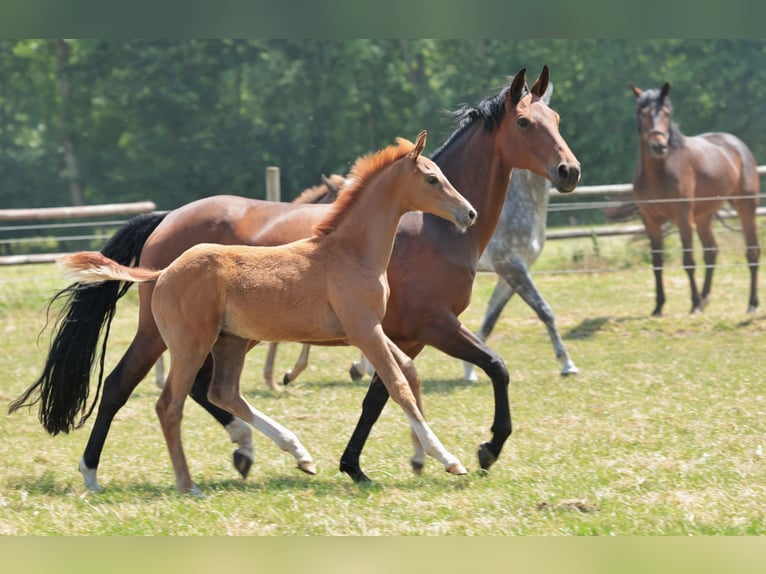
530, 133
653, 113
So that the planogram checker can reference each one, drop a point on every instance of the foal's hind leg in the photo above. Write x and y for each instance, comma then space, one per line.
300, 365
229, 355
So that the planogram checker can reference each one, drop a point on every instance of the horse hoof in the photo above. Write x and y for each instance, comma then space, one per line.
486, 457
570, 370
355, 473
242, 463
286, 379
89, 477
307, 466
456, 468
355, 373
752, 309
417, 466
195, 492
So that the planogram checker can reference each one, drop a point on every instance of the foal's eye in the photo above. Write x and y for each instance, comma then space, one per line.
523, 122
432, 179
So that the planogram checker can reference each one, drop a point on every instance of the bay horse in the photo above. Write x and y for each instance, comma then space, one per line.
515, 246
430, 274
685, 180
329, 289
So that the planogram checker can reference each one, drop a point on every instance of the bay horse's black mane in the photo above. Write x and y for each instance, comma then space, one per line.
651, 98
490, 110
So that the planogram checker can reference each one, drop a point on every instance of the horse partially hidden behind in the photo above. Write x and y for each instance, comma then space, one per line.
685, 180
329, 289
431, 275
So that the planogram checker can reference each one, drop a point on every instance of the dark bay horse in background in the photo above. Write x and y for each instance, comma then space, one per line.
430, 274
685, 180
329, 289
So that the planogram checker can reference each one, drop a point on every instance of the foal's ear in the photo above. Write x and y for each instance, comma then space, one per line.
665, 89
636, 91
541, 83
420, 145
517, 87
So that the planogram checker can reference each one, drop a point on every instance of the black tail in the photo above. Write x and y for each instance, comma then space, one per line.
87, 310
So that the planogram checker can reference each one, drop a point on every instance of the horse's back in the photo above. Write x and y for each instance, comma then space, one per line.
740, 155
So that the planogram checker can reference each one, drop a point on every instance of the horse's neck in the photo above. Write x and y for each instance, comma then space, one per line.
482, 177
369, 228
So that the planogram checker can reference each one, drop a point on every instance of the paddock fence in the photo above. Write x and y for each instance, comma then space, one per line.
31, 230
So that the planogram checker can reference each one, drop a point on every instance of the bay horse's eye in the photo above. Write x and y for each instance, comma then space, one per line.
432, 179
523, 122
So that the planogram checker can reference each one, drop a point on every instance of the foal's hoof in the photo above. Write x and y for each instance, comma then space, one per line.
456, 468
486, 457
417, 466
307, 466
242, 463
286, 379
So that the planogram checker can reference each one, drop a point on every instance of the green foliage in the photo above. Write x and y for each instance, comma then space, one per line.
176, 120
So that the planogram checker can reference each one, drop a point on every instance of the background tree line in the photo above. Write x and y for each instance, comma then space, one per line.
96, 121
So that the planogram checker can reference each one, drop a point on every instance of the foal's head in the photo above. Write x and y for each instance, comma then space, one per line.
653, 113
421, 183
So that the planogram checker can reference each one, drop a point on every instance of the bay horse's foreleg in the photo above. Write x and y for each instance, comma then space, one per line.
229, 356
687, 247
300, 365
458, 341
501, 294
134, 365
656, 244
376, 346
709, 254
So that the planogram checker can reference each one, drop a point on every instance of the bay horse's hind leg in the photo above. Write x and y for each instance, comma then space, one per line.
709, 254
746, 211
137, 361
229, 357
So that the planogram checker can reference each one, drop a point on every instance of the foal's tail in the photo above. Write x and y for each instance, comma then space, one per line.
62, 389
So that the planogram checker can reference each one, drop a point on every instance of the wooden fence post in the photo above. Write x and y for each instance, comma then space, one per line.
273, 192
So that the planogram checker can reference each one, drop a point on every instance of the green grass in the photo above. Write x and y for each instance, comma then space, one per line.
662, 432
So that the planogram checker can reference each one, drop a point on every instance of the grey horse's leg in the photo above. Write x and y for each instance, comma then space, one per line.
516, 279
501, 294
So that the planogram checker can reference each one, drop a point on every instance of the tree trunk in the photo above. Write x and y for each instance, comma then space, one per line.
70, 171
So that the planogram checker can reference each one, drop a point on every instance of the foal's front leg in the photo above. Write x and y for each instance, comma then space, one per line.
377, 348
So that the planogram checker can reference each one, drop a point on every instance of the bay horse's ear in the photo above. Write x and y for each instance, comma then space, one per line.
420, 145
665, 89
636, 91
541, 83
517, 87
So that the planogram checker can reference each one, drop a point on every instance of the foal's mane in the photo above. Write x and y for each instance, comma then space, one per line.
364, 169
490, 111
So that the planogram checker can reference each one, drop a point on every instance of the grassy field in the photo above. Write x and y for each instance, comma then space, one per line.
662, 432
